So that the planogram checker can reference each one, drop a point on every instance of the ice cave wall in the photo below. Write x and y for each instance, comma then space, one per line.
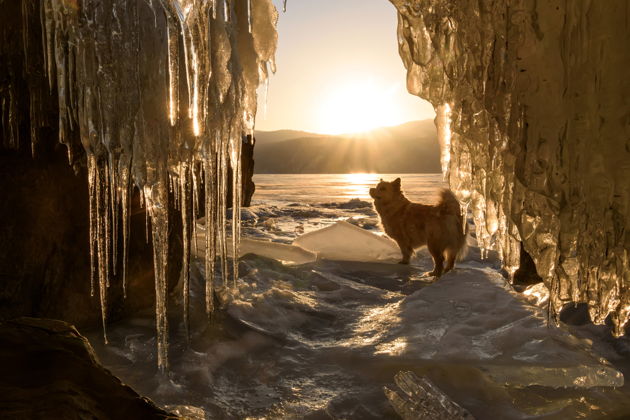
534, 124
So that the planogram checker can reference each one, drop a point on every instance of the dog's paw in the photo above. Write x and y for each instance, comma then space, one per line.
403, 262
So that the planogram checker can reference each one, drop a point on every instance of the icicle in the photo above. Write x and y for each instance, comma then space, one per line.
124, 203
173, 69
146, 224
106, 217
109, 104
48, 33
156, 197
209, 170
235, 146
101, 243
464, 210
249, 16
222, 210
25, 31
43, 20
91, 161
185, 183
195, 203
114, 205
443, 123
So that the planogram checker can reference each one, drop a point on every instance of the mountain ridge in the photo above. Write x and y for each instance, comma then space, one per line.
410, 147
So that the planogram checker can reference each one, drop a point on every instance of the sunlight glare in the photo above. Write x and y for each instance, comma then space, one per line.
359, 106
357, 185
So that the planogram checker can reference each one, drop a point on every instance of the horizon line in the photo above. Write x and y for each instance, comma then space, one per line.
342, 134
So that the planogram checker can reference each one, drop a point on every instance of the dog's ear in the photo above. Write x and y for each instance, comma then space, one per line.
396, 183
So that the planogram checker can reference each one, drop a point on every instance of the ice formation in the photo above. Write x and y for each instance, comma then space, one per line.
287, 254
161, 93
420, 399
347, 242
451, 322
532, 112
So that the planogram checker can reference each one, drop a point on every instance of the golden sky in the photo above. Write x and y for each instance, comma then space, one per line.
338, 70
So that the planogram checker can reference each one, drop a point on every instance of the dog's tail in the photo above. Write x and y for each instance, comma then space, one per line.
455, 221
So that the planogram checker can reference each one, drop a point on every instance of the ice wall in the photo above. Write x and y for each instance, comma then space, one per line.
534, 125
161, 94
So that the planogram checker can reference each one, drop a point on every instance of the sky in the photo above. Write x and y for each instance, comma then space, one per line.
338, 70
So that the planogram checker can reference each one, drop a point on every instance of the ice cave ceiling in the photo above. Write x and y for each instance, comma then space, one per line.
533, 116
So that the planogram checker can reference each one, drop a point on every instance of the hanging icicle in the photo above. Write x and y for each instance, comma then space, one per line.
113, 76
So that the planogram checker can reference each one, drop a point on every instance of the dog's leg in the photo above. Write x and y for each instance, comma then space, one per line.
438, 260
406, 252
450, 260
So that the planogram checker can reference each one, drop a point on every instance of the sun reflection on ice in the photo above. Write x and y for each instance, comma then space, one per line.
358, 185
393, 348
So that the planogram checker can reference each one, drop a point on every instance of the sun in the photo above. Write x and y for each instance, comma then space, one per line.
358, 106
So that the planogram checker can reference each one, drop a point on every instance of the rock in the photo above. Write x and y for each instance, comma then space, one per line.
247, 173
50, 371
247, 170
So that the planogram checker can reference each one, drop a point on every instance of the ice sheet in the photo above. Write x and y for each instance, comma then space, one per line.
346, 242
473, 315
470, 316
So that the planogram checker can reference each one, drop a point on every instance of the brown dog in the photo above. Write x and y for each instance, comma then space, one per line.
414, 225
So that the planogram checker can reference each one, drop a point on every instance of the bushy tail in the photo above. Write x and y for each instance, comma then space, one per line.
456, 222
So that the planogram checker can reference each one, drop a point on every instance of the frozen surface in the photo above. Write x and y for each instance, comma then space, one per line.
346, 242
469, 316
532, 114
474, 315
322, 339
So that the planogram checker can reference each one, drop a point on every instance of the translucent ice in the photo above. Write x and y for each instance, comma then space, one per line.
344, 241
288, 254
420, 399
532, 108
115, 66
473, 315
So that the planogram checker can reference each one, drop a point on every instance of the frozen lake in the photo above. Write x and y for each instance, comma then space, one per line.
315, 338
320, 188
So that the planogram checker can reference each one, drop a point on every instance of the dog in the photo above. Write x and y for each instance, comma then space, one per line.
413, 225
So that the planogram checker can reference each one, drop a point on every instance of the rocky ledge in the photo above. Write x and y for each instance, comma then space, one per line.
49, 370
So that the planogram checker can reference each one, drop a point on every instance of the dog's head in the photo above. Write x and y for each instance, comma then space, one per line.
386, 191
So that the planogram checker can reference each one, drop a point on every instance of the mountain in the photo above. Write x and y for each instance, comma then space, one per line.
407, 148
269, 137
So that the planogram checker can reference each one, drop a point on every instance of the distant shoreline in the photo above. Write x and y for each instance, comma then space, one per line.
409, 148
347, 173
